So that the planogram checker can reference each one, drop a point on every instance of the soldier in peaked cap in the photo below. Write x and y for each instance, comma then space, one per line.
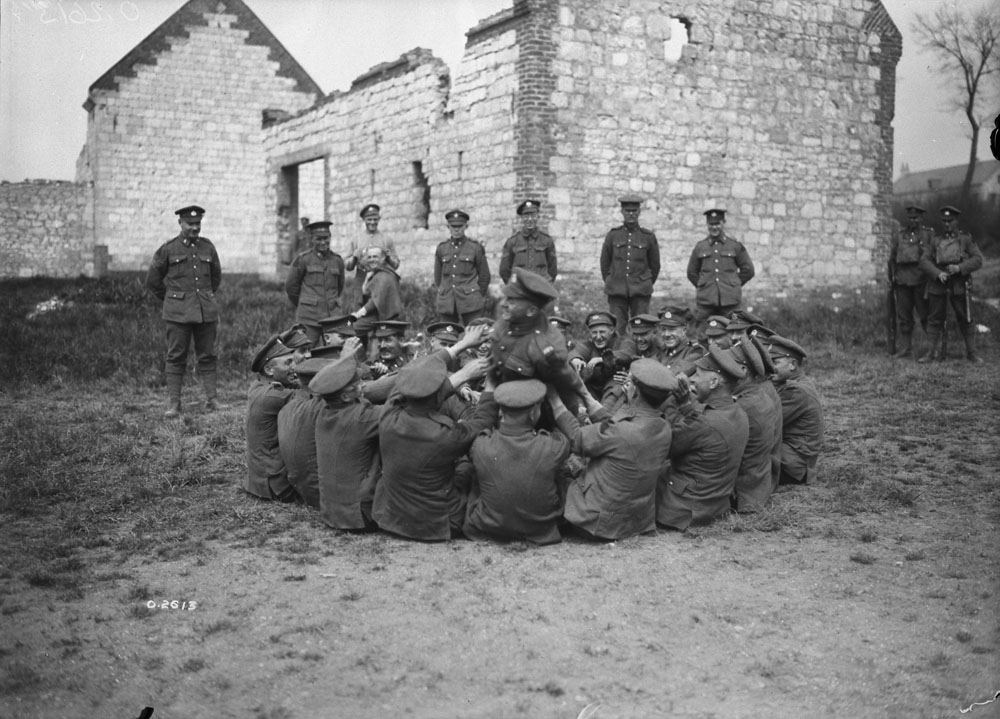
297, 433
417, 496
525, 345
679, 350
801, 409
948, 262
709, 436
642, 341
758, 472
315, 282
266, 475
184, 275
379, 294
368, 238
346, 447
615, 497
717, 331
906, 278
594, 359
529, 247
337, 329
461, 273
718, 268
630, 263
515, 494
443, 334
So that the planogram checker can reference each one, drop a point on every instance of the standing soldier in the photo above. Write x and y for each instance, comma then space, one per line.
630, 264
529, 247
184, 275
368, 238
906, 277
315, 281
949, 261
461, 273
718, 268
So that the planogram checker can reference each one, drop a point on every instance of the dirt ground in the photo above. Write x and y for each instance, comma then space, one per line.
873, 593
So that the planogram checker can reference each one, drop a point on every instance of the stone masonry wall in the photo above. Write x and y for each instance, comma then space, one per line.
460, 129
46, 230
185, 130
772, 112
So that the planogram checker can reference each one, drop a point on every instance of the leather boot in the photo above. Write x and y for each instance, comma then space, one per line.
174, 384
906, 346
970, 346
933, 350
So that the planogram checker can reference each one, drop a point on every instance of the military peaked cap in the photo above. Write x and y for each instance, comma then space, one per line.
334, 376
600, 318
528, 206
748, 356
388, 328
274, 347
520, 393
765, 356
310, 367
674, 316
488, 321
630, 200
560, 322
191, 212
319, 225
450, 331
331, 351
295, 337
652, 375
783, 347
422, 377
456, 216
528, 285
716, 325
918, 208
643, 323
370, 209
949, 211
715, 216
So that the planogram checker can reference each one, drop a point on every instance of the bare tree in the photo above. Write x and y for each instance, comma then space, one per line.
968, 42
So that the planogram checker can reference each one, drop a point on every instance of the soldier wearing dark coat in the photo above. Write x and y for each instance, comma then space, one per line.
529, 247
347, 454
594, 359
417, 496
718, 268
461, 273
525, 345
266, 475
184, 275
949, 261
515, 493
315, 282
297, 433
758, 398
615, 497
709, 436
802, 412
906, 276
630, 264
678, 352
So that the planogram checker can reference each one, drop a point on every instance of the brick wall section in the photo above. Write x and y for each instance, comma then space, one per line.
187, 129
535, 116
459, 128
772, 112
45, 230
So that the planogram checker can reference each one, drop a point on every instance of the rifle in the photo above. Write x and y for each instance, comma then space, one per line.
890, 312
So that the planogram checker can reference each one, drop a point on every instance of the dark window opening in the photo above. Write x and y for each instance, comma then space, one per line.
421, 197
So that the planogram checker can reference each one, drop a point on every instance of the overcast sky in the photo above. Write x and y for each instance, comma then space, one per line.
51, 51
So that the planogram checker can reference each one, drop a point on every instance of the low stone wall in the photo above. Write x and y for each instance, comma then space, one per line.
46, 229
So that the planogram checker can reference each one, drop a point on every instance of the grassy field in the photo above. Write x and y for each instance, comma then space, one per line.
873, 593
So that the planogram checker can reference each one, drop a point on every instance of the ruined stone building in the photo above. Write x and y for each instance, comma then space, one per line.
778, 110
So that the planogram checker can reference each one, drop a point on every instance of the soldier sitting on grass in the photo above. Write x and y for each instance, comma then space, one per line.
802, 412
